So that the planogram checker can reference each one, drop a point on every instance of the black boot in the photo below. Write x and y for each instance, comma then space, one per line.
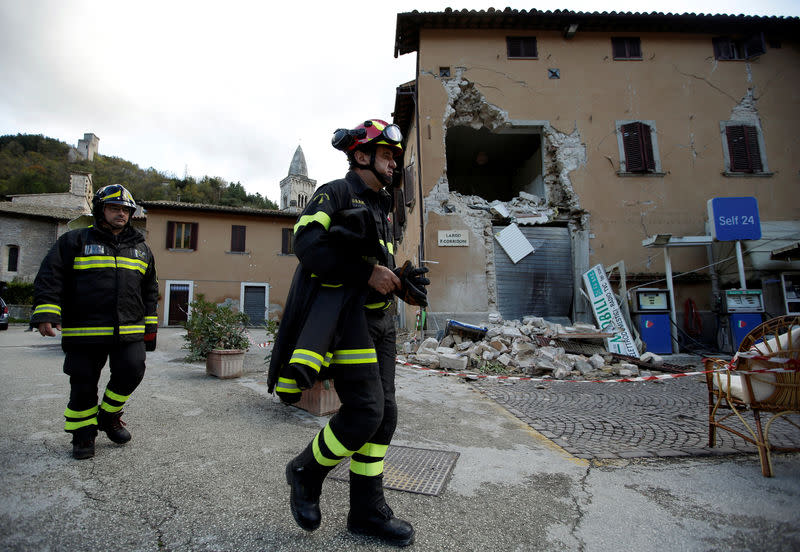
305, 476
371, 516
112, 424
83, 443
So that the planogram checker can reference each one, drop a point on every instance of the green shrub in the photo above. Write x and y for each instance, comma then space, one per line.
18, 292
211, 326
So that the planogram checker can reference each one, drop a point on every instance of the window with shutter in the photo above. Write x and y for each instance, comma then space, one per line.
638, 147
287, 241
181, 235
238, 238
743, 149
409, 185
521, 47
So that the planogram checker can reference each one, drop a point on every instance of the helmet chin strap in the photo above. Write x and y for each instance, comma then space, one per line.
371, 167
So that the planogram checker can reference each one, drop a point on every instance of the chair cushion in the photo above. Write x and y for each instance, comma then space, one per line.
761, 389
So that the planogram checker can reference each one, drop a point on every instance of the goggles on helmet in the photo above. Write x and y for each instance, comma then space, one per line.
373, 131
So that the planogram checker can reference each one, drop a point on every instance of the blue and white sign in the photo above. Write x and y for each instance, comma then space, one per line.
734, 218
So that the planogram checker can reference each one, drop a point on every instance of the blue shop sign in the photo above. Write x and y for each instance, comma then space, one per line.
734, 218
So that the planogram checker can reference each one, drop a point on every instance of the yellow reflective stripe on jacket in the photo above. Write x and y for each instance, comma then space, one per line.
320, 216
52, 309
107, 261
369, 469
389, 246
383, 305
151, 319
332, 285
354, 356
309, 358
100, 330
129, 330
287, 385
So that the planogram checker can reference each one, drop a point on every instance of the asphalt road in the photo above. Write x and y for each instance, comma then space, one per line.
205, 471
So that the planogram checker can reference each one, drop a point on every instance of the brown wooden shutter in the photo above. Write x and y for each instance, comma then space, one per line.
286, 241
170, 234
238, 237
743, 148
409, 184
638, 146
193, 237
521, 47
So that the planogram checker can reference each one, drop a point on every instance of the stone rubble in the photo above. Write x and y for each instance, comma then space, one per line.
509, 348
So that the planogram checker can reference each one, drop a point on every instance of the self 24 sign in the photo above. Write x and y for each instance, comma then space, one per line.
734, 218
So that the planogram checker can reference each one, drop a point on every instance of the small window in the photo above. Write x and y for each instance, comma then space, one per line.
409, 185
626, 47
13, 258
238, 238
742, 146
287, 241
638, 147
182, 235
729, 48
444, 72
521, 47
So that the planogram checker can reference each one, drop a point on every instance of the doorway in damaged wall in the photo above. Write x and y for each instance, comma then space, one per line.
494, 165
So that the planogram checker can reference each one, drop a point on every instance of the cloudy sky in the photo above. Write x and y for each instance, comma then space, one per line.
228, 89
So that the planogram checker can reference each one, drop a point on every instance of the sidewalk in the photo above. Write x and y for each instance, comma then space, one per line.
205, 471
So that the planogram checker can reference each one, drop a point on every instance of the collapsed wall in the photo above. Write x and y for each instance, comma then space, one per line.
562, 154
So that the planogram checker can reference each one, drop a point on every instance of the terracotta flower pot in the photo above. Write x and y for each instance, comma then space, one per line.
225, 363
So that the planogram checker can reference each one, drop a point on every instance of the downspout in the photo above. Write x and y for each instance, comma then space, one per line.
420, 201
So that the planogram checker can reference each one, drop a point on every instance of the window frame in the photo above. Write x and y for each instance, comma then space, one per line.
13, 253
172, 226
626, 42
729, 48
726, 148
624, 170
511, 42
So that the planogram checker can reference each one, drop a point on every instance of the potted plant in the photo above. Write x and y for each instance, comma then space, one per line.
217, 334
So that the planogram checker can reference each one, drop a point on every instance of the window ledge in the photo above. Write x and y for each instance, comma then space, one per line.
181, 250
237, 252
626, 174
745, 174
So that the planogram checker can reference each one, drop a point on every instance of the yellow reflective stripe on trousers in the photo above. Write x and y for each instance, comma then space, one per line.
69, 413
354, 356
374, 450
71, 426
287, 385
320, 217
100, 330
309, 358
116, 396
333, 443
48, 308
370, 469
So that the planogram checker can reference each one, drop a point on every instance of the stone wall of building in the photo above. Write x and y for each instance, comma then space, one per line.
34, 237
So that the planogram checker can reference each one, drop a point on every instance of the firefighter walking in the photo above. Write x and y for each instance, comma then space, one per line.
98, 286
338, 324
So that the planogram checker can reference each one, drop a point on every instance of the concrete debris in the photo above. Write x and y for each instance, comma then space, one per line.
509, 348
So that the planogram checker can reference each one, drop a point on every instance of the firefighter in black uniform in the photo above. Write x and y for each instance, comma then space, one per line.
338, 325
98, 286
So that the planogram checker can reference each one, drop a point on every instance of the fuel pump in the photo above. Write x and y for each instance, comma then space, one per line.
742, 308
651, 307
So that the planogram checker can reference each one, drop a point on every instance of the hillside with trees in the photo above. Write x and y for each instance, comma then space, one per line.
35, 164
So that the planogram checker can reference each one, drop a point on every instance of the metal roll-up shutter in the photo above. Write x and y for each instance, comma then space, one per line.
541, 284
255, 300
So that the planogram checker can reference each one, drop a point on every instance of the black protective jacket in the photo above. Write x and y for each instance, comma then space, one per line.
100, 287
328, 258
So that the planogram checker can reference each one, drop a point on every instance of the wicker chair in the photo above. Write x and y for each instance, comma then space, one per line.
735, 387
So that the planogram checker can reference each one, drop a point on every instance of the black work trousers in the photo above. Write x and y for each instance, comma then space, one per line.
83, 365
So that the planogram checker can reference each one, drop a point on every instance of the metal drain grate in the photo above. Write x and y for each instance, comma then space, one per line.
421, 471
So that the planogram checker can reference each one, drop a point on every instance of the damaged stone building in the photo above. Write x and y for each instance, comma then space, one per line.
540, 144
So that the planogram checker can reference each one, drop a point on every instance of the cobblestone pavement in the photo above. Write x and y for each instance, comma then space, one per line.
626, 420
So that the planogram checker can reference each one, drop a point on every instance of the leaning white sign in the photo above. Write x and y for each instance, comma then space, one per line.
607, 312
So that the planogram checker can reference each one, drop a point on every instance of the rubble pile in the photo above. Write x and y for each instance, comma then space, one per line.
511, 347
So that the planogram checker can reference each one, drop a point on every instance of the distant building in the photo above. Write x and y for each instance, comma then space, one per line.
297, 187
88, 146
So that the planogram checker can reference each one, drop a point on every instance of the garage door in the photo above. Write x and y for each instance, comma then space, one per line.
255, 301
541, 283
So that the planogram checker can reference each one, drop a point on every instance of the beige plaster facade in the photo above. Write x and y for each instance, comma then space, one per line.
208, 265
554, 121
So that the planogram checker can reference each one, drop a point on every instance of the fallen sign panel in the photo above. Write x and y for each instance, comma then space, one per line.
421, 471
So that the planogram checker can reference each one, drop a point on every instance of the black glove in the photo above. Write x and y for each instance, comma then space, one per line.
150, 341
413, 284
